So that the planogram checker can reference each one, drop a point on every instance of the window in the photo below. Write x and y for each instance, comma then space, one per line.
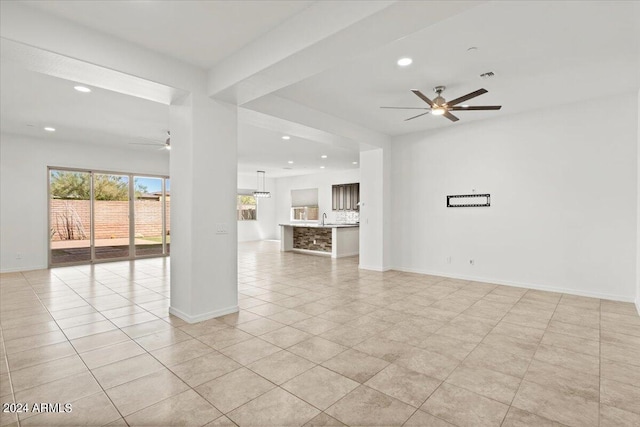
304, 204
304, 213
247, 208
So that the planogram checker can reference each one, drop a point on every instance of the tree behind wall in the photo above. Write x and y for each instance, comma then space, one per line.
77, 185
71, 185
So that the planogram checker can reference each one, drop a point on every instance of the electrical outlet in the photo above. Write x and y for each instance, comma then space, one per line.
472, 261
222, 228
18, 255
314, 241
448, 260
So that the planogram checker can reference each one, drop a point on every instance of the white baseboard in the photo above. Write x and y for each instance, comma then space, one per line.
19, 269
638, 304
347, 254
577, 292
373, 268
203, 316
310, 252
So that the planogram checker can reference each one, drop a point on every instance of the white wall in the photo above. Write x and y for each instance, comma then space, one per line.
321, 181
23, 188
638, 215
262, 228
563, 186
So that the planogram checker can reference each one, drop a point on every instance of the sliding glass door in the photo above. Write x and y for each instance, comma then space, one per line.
149, 214
99, 216
111, 216
70, 216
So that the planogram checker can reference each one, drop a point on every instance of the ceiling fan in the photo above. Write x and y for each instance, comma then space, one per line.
441, 107
166, 145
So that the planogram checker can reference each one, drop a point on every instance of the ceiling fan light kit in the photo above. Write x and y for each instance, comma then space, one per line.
441, 107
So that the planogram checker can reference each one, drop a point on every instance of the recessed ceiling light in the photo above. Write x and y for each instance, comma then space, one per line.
354, 163
286, 137
404, 62
82, 89
50, 129
321, 167
290, 162
324, 156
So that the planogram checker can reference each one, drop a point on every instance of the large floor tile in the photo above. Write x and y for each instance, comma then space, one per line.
615, 417
138, 394
46, 372
556, 405
93, 410
317, 349
113, 353
486, 382
204, 368
367, 407
249, 351
519, 418
281, 366
404, 384
620, 395
234, 389
464, 408
423, 419
566, 380
274, 408
126, 370
181, 352
320, 387
67, 389
184, 409
356, 365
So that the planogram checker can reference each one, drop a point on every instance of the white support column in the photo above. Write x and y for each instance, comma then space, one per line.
203, 209
375, 210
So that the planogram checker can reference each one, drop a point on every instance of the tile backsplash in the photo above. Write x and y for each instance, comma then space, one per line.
347, 217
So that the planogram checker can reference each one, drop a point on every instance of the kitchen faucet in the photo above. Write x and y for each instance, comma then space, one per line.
324, 215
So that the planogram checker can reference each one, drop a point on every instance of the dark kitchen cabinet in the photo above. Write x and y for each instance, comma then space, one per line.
345, 197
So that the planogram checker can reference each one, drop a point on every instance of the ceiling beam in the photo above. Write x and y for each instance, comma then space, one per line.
31, 27
272, 110
29, 58
318, 38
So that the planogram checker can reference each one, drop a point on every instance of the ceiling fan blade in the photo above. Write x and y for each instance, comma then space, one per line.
476, 108
467, 96
422, 96
414, 117
450, 116
407, 108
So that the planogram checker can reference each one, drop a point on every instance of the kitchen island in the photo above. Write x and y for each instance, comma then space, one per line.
334, 240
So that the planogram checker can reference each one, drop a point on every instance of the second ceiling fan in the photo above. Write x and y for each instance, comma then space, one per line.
441, 107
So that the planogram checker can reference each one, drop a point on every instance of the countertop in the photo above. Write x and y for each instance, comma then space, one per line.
318, 225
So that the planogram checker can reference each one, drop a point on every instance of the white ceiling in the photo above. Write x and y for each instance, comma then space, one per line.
262, 149
198, 32
30, 101
543, 53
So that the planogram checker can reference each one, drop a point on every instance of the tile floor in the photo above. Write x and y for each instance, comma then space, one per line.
316, 343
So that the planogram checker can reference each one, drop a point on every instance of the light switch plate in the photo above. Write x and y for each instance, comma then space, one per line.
222, 228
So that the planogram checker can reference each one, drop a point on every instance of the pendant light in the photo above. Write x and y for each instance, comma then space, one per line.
264, 192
